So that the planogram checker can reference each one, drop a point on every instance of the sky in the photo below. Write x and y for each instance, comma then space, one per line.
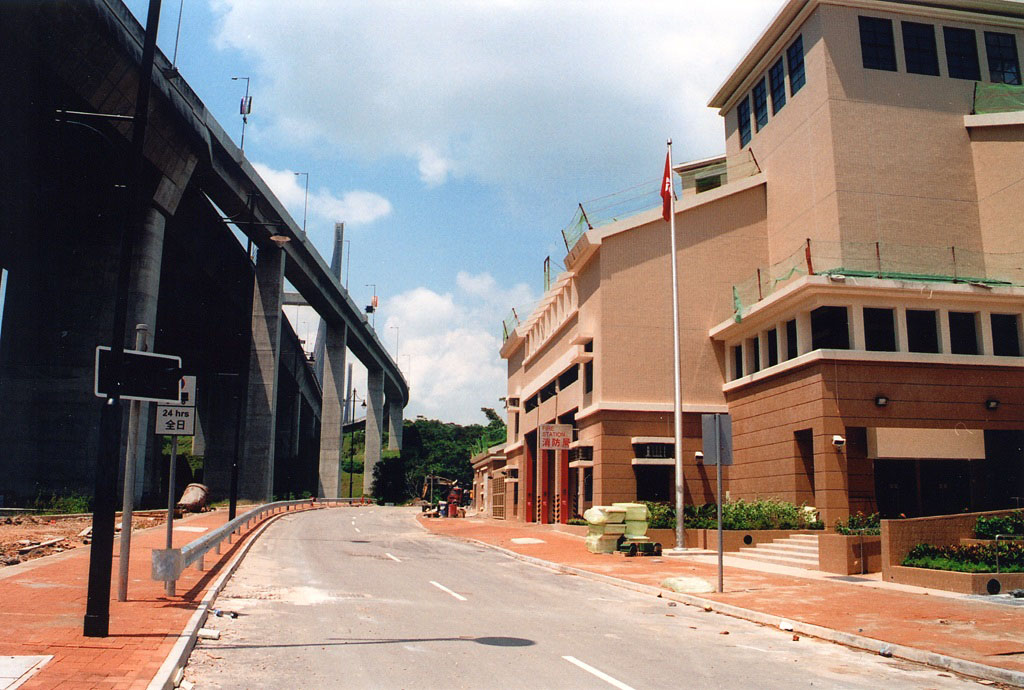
455, 138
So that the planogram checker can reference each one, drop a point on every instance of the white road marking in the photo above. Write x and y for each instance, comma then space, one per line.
358, 530
189, 528
445, 589
600, 674
392, 558
756, 649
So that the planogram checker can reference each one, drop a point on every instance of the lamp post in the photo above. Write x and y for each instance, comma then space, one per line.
244, 109
305, 201
372, 309
395, 329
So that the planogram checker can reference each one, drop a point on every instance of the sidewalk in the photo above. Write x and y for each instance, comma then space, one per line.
939, 623
43, 605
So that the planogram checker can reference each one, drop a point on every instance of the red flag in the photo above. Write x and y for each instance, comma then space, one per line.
666, 190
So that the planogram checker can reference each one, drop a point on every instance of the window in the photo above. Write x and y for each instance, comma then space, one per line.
581, 453
760, 105
588, 377
743, 118
588, 346
792, 345
549, 391
922, 331
830, 329
961, 53
1003, 65
568, 377
773, 347
654, 450
919, 48
737, 362
515, 426
777, 82
755, 355
588, 484
706, 184
963, 333
531, 404
1006, 335
795, 62
879, 330
877, 45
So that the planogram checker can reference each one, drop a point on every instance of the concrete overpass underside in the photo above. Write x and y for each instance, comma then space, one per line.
202, 296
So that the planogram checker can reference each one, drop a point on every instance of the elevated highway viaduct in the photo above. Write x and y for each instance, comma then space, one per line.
194, 284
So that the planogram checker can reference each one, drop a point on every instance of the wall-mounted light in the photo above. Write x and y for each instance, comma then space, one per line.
280, 240
698, 456
991, 404
836, 277
881, 400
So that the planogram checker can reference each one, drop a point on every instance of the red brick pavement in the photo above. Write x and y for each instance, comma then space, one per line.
42, 607
977, 631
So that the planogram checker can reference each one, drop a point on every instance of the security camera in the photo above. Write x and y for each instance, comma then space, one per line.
838, 441
698, 455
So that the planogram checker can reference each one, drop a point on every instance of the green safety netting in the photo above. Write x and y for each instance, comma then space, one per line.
997, 98
611, 208
880, 260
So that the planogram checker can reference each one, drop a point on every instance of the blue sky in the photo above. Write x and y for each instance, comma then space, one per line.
455, 139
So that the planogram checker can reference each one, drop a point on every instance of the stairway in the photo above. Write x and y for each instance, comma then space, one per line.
796, 551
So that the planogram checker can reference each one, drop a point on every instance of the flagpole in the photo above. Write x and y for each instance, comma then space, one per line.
677, 406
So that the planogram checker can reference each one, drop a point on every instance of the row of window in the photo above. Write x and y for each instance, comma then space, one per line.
920, 49
774, 85
830, 330
560, 383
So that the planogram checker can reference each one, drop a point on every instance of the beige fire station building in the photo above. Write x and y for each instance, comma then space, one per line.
851, 285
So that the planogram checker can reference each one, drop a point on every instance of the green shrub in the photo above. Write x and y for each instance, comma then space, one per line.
660, 515
859, 523
968, 558
736, 515
578, 521
989, 527
54, 504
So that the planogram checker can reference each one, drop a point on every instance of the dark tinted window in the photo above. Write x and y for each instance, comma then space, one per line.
737, 361
922, 331
588, 377
760, 105
877, 45
755, 355
568, 377
1003, 65
792, 346
777, 82
963, 333
795, 62
773, 347
961, 53
1005, 335
743, 118
879, 330
830, 329
919, 48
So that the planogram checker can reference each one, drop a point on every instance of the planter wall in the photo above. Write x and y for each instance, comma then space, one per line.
667, 538
965, 583
735, 539
900, 536
840, 553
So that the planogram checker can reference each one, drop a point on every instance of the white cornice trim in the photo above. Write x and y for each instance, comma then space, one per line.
994, 119
608, 406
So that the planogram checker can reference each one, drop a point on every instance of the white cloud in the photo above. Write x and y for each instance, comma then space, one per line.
448, 345
354, 207
513, 93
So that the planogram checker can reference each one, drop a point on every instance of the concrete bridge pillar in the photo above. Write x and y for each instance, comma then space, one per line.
332, 410
395, 410
256, 474
374, 425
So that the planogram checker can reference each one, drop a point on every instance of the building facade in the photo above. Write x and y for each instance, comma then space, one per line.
850, 284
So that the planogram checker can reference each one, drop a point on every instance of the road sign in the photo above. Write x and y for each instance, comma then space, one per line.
175, 420
723, 449
145, 376
554, 436
187, 391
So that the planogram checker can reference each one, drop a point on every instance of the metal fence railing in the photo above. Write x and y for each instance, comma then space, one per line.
168, 564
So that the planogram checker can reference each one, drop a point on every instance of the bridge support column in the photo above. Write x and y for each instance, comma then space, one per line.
395, 410
256, 474
374, 425
143, 293
332, 409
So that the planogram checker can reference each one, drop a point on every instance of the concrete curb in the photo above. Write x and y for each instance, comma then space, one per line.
182, 649
869, 644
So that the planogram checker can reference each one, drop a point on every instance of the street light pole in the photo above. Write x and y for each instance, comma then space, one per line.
244, 109
97, 608
396, 341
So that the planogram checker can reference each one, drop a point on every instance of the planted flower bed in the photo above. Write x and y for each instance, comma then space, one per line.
969, 558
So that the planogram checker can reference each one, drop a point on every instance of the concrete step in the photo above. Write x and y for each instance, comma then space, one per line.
777, 549
804, 537
752, 555
786, 545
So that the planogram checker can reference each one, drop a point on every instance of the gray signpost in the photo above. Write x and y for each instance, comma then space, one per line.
174, 421
716, 436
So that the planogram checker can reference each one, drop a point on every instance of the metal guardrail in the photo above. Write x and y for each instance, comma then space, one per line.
1008, 537
168, 564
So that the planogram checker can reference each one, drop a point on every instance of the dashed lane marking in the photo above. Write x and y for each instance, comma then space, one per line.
600, 674
445, 589
392, 558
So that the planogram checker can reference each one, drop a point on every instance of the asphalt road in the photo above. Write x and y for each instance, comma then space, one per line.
365, 598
